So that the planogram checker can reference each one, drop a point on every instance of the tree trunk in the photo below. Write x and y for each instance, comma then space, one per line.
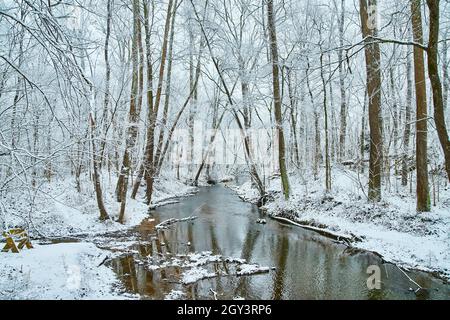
407, 132
395, 114
149, 92
168, 89
362, 147
132, 116
205, 155
343, 111
372, 53
294, 114
445, 74
106, 99
97, 183
153, 112
277, 98
325, 113
439, 116
193, 104
423, 196
180, 113
317, 142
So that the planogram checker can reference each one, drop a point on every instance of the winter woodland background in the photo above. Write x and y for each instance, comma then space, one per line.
337, 111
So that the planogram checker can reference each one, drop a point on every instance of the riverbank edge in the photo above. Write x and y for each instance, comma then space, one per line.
79, 248
350, 240
78, 237
57, 211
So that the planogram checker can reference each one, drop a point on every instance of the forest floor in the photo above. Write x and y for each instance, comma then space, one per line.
56, 209
72, 269
58, 271
391, 228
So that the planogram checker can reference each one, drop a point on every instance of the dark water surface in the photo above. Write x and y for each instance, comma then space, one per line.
308, 265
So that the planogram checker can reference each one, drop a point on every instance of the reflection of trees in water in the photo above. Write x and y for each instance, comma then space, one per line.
145, 250
280, 273
309, 266
331, 273
193, 291
124, 267
141, 279
190, 235
425, 282
346, 283
215, 248
246, 253
249, 244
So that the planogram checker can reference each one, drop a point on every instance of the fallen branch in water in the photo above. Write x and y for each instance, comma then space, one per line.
338, 237
194, 269
411, 280
251, 269
167, 223
192, 276
214, 293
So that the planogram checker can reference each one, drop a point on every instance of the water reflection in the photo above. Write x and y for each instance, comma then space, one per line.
308, 265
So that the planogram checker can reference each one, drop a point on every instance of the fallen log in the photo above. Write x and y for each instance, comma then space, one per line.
169, 222
348, 239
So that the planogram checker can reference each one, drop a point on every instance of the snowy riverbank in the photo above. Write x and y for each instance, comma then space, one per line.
61, 271
391, 228
56, 209
70, 270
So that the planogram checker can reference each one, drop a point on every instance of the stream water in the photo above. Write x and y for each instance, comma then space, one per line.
306, 265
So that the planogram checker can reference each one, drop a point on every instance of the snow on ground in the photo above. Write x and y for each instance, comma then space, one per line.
197, 266
64, 271
175, 295
249, 269
196, 274
69, 270
392, 228
58, 209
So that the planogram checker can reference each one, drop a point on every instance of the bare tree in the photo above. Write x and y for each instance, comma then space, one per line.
433, 72
277, 98
407, 131
153, 111
423, 197
343, 110
373, 57
132, 130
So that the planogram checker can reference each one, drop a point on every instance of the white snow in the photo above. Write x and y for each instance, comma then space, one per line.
250, 269
59, 210
175, 295
196, 274
196, 266
167, 223
62, 271
70, 270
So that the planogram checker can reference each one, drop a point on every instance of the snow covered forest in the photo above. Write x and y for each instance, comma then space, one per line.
126, 123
